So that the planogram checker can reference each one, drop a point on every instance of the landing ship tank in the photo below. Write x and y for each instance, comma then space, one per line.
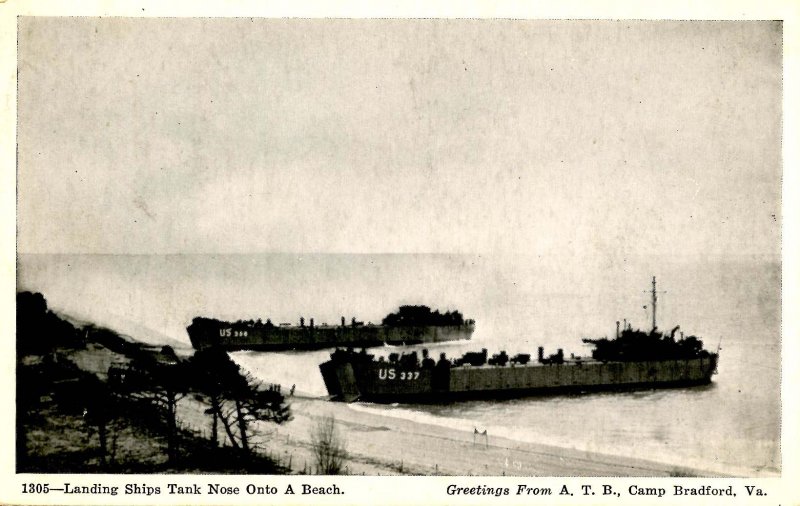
409, 325
633, 359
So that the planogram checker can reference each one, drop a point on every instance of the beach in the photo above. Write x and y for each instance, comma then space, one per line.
379, 445
385, 445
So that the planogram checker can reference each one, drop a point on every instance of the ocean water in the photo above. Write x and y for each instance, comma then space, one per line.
519, 302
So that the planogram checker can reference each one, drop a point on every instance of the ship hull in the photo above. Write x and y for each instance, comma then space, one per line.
231, 337
385, 383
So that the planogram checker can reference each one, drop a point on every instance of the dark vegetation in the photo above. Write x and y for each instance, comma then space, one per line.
236, 401
39, 330
124, 419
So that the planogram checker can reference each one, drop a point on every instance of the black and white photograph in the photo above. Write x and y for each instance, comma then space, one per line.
418, 246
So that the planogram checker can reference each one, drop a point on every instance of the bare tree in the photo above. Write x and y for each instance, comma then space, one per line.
237, 401
162, 375
159, 377
328, 445
99, 412
167, 390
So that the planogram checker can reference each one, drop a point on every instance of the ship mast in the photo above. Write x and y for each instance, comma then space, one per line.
655, 298
653, 301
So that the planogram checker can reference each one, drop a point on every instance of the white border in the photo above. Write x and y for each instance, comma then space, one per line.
408, 489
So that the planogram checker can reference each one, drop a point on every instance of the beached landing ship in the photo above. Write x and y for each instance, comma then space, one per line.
633, 359
409, 325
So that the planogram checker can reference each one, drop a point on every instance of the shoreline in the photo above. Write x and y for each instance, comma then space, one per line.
381, 444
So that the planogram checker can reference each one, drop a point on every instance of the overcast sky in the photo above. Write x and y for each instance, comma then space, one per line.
545, 137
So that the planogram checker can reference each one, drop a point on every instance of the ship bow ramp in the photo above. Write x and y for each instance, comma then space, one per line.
340, 380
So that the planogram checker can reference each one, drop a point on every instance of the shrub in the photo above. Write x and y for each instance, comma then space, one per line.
328, 445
